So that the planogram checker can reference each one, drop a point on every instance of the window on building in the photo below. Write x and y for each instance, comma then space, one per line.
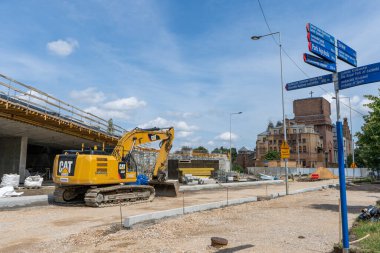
270, 142
294, 131
275, 131
274, 141
304, 149
303, 140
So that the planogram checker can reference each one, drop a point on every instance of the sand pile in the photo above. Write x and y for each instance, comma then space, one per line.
325, 173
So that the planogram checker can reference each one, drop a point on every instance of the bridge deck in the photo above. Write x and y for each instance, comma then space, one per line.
26, 104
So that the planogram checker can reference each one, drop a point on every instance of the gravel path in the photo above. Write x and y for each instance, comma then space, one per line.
299, 223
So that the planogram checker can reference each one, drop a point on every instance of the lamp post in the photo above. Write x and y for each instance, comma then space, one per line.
257, 37
232, 113
352, 137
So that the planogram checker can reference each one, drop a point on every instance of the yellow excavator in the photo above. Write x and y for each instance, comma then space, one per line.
102, 179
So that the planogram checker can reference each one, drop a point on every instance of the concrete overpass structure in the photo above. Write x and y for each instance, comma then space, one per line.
35, 126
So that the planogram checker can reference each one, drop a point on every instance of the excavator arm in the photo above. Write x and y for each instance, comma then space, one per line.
139, 136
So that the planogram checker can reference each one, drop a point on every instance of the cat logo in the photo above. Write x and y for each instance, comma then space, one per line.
66, 166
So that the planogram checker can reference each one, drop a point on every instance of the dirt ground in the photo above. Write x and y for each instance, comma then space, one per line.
305, 222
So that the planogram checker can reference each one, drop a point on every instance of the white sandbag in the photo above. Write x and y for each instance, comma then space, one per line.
33, 181
9, 191
10, 180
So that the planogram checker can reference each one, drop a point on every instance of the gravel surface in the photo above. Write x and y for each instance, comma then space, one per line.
305, 222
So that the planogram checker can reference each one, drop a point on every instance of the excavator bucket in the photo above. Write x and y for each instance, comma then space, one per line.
165, 189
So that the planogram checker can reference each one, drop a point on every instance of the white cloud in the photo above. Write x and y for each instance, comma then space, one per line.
182, 128
226, 136
357, 104
90, 95
99, 104
107, 114
62, 47
124, 104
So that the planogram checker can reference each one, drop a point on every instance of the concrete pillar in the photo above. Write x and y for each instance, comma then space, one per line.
13, 152
23, 154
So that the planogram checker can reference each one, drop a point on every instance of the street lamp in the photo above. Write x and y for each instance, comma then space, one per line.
352, 138
232, 113
257, 37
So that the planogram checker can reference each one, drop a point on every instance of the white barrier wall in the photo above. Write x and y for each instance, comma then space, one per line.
358, 172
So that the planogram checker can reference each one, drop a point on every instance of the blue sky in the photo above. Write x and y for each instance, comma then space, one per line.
187, 64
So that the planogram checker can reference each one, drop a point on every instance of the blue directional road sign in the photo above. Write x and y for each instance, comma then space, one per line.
309, 82
346, 54
320, 33
321, 42
358, 76
322, 52
319, 63
346, 48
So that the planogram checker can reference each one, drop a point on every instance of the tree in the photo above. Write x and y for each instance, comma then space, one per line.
272, 155
223, 150
200, 149
237, 168
369, 139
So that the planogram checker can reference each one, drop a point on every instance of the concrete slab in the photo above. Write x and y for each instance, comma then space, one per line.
16, 202
132, 220
225, 185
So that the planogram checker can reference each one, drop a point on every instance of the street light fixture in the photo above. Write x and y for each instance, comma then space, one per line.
352, 137
257, 37
232, 113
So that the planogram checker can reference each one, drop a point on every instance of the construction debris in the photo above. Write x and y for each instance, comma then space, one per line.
371, 213
9, 191
10, 180
33, 182
218, 242
325, 173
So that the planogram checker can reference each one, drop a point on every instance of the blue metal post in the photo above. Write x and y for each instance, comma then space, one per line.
342, 176
342, 184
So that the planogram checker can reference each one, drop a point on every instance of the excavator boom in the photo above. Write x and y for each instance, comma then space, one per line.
139, 136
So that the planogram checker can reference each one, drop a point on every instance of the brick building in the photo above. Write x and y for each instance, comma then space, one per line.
245, 158
311, 129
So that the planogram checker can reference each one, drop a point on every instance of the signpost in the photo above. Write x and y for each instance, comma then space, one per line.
320, 33
319, 80
322, 52
285, 150
346, 54
323, 44
319, 63
359, 76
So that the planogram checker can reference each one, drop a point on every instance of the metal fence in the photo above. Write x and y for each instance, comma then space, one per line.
277, 171
16, 92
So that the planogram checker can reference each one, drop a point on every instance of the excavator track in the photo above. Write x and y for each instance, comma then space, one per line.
119, 195
69, 194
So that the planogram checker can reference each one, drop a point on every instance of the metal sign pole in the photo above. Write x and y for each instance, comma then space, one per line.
342, 176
